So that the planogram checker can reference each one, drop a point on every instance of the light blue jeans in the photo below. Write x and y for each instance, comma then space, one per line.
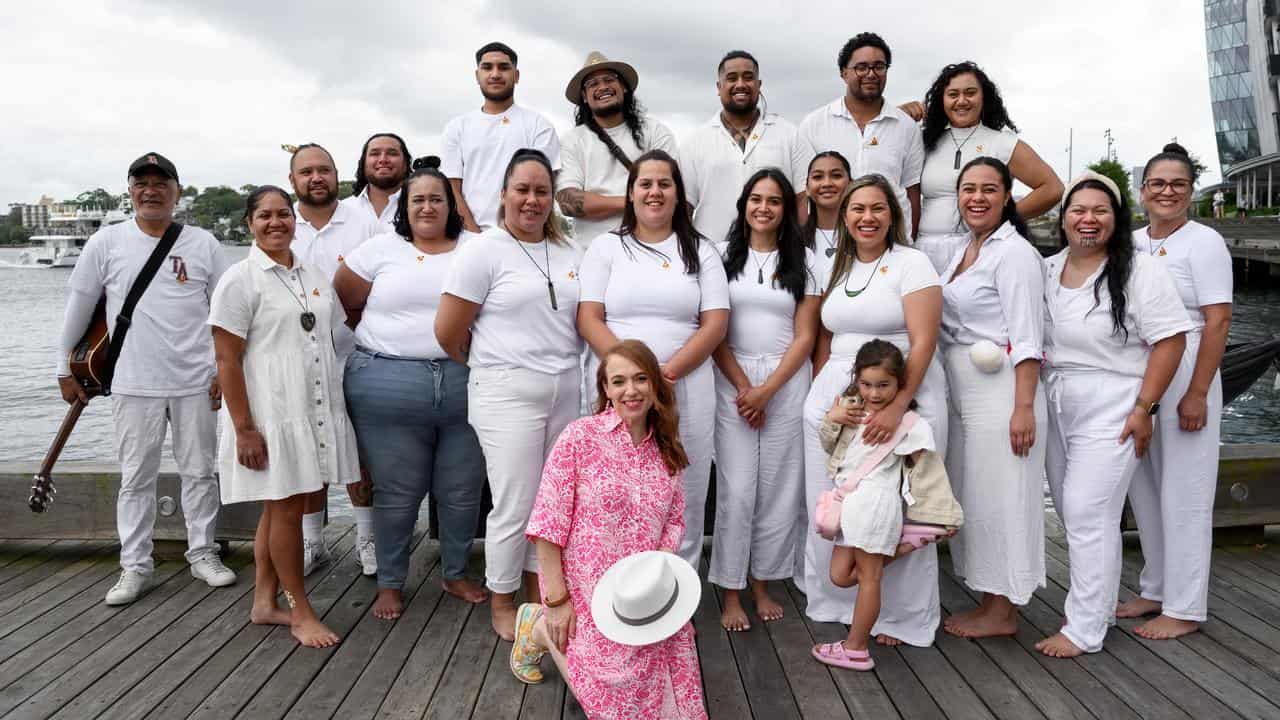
410, 419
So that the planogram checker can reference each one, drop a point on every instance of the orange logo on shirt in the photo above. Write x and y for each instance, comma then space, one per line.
340, 258
884, 270
874, 141
1162, 252
665, 264
506, 120
179, 268
315, 291
421, 257
979, 148
572, 275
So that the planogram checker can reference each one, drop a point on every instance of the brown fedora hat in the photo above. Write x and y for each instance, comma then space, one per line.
597, 61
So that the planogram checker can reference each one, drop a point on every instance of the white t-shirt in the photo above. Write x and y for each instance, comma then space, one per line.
877, 311
361, 202
325, 249
891, 145
1199, 261
586, 164
939, 214
999, 298
478, 146
646, 292
168, 351
400, 313
1079, 336
516, 326
715, 168
763, 321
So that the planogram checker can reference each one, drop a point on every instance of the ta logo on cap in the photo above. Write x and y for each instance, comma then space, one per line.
152, 159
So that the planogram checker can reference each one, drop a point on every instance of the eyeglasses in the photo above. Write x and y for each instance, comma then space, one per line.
878, 68
599, 79
1157, 185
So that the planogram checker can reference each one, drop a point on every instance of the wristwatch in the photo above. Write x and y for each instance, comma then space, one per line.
1151, 408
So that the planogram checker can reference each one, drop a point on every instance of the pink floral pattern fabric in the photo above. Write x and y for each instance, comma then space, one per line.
603, 498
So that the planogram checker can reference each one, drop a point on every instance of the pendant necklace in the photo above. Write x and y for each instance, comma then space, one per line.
1159, 249
952, 135
831, 241
760, 266
551, 288
307, 319
859, 291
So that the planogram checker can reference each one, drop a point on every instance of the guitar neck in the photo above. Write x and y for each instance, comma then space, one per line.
64, 432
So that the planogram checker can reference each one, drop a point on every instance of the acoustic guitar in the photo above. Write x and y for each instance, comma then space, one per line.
89, 366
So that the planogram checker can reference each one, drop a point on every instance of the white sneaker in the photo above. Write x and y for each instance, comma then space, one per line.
365, 556
210, 569
314, 554
128, 588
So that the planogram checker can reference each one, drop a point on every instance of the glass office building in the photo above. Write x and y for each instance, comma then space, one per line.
1231, 91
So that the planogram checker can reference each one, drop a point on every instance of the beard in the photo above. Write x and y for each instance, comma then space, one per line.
862, 94
389, 183
503, 96
608, 111
741, 108
316, 196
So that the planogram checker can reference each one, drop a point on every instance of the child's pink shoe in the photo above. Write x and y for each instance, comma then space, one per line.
919, 535
835, 654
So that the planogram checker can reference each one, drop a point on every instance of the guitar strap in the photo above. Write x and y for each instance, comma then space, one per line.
140, 284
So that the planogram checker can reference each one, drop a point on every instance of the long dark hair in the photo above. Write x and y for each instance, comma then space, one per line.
681, 222
1115, 273
846, 249
632, 115
664, 416
551, 228
792, 274
809, 232
453, 220
1008, 213
993, 114
358, 186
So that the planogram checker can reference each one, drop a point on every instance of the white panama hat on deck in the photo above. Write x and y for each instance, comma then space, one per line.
645, 598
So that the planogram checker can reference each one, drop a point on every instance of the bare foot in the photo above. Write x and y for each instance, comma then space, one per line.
766, 607
887, 640
468, 590
1058, 646
269, 615
988, 624
954, 620
1166, 628
733, 618
1137, 607
502, 613
313, 633
389, 604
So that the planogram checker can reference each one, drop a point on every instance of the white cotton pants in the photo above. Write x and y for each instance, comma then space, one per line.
517, 415
759, 478
1172, 499
909, 609
1089, 473
1000, 549
140, 424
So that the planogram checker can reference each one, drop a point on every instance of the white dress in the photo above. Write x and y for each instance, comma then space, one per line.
291, 375
871, 515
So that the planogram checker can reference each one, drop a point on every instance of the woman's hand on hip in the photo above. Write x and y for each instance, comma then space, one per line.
562, 625
1193, 411
883, 423
1138, 427
1022, 430
251, 449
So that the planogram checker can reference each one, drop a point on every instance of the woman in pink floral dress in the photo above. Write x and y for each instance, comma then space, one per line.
610, 488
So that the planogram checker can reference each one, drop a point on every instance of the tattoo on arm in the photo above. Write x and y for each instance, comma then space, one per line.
572, 202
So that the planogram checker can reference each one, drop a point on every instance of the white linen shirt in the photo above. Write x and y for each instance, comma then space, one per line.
877, 311
516, 326
647, 294
168, 351
715, 168
478, 146
586, 164
763, 321
999, 298
291, 376
362, 203
1079, 336
891, 145
1199, 261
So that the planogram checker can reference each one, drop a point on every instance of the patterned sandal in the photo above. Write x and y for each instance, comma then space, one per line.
836, 655
525, 653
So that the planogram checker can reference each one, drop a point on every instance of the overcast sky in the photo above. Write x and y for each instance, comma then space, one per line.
218, 86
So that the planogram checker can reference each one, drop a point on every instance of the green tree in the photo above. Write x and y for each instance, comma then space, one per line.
217, 208
344, 188
190, 191
1118, 175
97, 198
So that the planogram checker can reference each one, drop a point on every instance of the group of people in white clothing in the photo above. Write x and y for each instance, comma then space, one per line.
435, 329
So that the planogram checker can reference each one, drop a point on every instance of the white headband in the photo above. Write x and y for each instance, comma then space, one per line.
1087, 175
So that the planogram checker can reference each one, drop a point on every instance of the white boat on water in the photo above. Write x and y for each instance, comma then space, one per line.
61, 240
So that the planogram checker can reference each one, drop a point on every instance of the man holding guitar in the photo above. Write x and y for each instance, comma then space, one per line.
157, 277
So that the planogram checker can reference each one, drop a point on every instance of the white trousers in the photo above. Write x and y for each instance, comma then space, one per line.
910, 609
1172, 500
140, 424
1000, 549
517, 415
759, 479
1089, 472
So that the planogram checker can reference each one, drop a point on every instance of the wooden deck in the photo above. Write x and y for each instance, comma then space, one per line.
185, 650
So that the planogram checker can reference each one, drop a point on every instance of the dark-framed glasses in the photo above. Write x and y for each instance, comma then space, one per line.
1159, 185
877, 67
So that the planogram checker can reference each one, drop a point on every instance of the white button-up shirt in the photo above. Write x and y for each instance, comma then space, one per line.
715, 168
361, 202
891, 145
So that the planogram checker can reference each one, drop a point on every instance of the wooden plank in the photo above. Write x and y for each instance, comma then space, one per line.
183, 681
501, 694
546, 701
762, 674
62, 581
464, 671
420, 676
572, 710
18, 556
352, 658
721, 683
862, 693
56, 555
942, 681
811, 683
